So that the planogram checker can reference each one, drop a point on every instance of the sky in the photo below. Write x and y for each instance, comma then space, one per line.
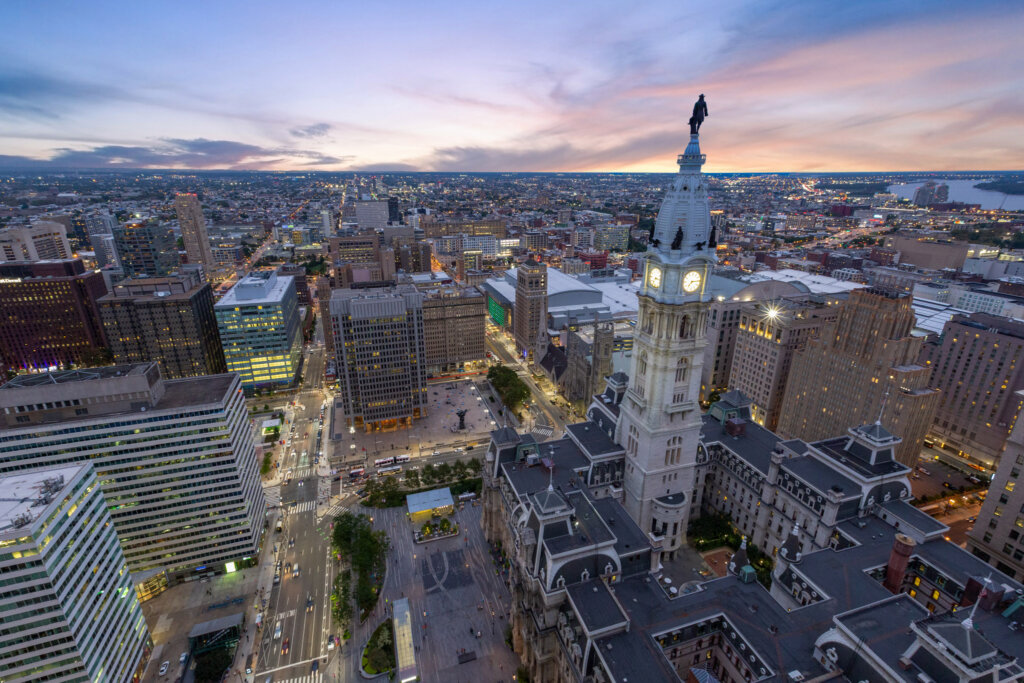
795, 85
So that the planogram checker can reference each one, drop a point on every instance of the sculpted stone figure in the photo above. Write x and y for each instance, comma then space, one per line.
700, 111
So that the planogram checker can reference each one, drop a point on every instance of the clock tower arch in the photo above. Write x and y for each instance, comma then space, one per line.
660, 418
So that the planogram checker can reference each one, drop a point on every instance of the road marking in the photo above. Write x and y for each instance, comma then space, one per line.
285, 615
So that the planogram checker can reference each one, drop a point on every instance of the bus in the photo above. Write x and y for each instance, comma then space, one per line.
249, 664
388, 471
403, 458
357, 472
384, 462
463, 497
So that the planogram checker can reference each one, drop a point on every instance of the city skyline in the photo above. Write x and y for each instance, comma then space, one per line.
459, 87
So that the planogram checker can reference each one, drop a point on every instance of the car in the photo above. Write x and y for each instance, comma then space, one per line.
316, 665
286, 646
301, 482
277, 631
972, 519
309, 603
164, 667
436, 453
295, 571
947, 485
277, 579
291, 542
330, 642
182, 658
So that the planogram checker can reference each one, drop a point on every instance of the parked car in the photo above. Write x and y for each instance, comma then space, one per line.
164, 667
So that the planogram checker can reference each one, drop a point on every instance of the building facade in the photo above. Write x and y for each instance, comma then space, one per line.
868, 360
168, 320
43, 240
260, 330
379, 355
769, 334
72, 613
193, 230
530, 319
997, 536
453, 327
588, 360
146, 248
50, 314
978, 365
660, 423
175, 458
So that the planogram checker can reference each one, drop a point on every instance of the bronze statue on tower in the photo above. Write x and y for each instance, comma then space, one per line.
700, 111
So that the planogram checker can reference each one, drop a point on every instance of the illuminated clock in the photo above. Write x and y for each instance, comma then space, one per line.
654, 279
691, 281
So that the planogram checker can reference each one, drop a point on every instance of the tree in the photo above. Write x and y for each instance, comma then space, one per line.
444, 471
412, 479
93, 357
445, 525
210, 665
474, 465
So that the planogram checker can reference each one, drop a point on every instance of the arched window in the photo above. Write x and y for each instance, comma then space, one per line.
684, 327
632, 441
674, 451
641, 373
682, 368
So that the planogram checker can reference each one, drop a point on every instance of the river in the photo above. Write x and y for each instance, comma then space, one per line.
965, 191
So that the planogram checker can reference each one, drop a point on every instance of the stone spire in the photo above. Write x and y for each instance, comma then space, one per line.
791, 549
685, 209
739, 559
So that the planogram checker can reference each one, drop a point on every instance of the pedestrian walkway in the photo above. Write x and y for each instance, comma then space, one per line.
302, 472
272, 494
305, 506
308, 678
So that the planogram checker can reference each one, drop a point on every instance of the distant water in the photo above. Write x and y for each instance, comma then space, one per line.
965, 191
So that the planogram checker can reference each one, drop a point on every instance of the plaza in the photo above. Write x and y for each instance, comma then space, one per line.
437, 431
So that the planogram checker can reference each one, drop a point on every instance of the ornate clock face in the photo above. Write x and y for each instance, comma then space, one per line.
691, 281
654, 279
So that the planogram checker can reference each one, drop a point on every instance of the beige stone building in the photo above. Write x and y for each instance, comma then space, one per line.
768, 335
869, 359
193, 230
453, 327
529, 321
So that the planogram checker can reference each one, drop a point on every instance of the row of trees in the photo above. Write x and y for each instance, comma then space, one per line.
510, 387
389, 492
366, 551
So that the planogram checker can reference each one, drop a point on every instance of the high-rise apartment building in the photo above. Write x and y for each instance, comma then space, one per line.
42, 240
372, 214
611, 238
260, 330
175, 458
193, 230
49, 316
71, 613
768, 335
453, 327
169, 320
868, 360
978, 365
379, 355
998, 534
440, 228
588, 360
146, 248
297, 272
530, 318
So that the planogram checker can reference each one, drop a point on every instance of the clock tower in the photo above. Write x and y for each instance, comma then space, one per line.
660, 419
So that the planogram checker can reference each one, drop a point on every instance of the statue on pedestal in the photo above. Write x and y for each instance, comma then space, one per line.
700, 111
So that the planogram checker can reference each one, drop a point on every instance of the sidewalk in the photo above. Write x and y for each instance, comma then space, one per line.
260, 596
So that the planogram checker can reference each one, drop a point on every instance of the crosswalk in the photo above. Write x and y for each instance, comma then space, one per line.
314, 677
272, 494
302, 472
304, 506
336, 509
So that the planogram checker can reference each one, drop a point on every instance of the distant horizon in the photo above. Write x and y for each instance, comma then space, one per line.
792, 87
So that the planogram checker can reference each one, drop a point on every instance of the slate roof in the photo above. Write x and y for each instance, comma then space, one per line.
755, 446
820, 476
594, 440
908, 514
595, 605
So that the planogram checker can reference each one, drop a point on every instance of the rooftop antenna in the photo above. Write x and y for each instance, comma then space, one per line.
551, 478
968, 623
881, 408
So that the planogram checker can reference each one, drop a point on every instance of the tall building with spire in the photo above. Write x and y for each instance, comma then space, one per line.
661, 420
193, 230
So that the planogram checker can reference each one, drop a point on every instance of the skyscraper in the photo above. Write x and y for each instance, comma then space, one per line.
41, 240
169, 320
146, 248
49, 313
176, 459
453, 327
769, 334
978, 365
998, 534
71, 611
660, 419
869, 359
193, 230
379, 355
260, 330
530, 318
